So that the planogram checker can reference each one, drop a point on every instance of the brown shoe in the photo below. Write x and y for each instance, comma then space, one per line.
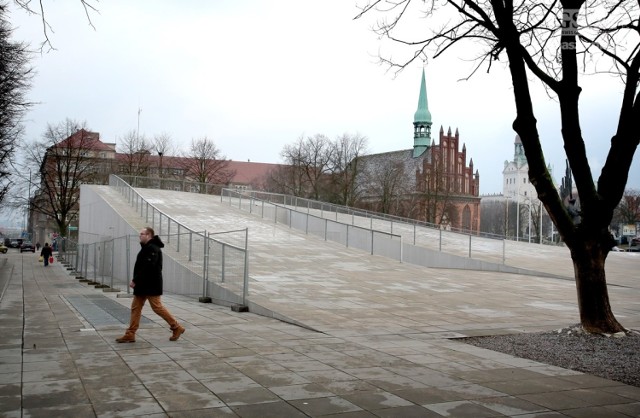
126, 339
177, 332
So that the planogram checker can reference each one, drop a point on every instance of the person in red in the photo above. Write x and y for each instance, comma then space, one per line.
147, 285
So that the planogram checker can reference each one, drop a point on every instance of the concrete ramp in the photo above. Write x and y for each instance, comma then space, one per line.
325, 286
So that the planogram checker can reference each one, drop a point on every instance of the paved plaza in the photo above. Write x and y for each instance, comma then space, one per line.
363, 337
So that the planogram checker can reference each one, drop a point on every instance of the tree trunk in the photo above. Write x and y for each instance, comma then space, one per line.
593, 298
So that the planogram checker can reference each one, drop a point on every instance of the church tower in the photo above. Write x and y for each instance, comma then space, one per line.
518, 152
516, 184
422, 122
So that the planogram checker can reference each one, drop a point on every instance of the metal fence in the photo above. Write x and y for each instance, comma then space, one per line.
178, 185
196, 263
357, 228
375, 242
108, 264
344, 224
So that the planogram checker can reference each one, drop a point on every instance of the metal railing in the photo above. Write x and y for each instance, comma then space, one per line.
193, 259
374, 241
287, 209
178, 185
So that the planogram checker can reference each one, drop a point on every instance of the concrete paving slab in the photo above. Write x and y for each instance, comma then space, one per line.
383, 350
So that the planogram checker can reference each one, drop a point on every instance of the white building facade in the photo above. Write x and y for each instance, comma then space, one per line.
516, 184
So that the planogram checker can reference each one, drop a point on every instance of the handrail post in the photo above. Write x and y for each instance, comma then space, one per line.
94, 263
347, 235
113, 260
205, 264
371, 241
245, 287
223, 265
326, 227
126, 257
414, 234
504, 245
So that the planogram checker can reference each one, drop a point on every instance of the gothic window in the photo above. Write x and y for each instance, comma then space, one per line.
466, 217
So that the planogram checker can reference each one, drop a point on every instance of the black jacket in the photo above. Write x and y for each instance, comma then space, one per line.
147, 272
46, 251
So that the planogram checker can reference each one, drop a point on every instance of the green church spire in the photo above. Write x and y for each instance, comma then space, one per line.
422, 122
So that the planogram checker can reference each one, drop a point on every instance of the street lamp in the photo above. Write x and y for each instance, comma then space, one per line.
528, 200
160, 155
29, 203
506, 209
518, 203
529, 220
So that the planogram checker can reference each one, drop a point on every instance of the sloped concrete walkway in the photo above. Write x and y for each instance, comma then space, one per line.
384, 349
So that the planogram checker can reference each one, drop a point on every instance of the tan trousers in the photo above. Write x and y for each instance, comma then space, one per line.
156, 304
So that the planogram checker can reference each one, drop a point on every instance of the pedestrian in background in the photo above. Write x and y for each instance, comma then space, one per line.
147, 285
46, 253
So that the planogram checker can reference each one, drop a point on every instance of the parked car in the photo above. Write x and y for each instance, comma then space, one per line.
27, 246
635, 242
14, 244
3, 249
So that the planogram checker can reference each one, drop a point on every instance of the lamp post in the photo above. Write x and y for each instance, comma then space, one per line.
518, 203
540, 229
29, 203
529, 221
160, 168
506, 210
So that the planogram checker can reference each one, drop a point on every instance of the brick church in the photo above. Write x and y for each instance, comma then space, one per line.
430, 182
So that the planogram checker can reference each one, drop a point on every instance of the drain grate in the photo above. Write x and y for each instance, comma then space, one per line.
99, 310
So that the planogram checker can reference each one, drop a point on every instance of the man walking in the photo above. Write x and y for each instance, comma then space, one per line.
147, 285
46, 253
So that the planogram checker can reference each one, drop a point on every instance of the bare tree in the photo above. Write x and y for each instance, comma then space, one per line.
292, 176
345, 164
15, 81
554, 42
65, 157
287, 179
40, 11
494, 216
385, 188
310, 158
628, 211
135, 152
205, 163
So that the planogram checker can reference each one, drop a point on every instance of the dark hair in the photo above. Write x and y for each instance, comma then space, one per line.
150, 230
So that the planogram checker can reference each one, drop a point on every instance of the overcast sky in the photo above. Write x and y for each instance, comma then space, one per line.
254, 76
